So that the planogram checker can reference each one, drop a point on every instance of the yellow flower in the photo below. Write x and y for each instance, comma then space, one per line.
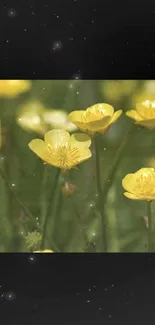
44, 251
12, 88
30, 117
144, 114
140, 185
62, 150
58, 119
97, 118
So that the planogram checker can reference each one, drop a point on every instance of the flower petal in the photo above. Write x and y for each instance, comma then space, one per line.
86, 154
134, 115
150, 124
99, 111
77, 116
57, 138
128, 183
80, 140
116, 115
133, 196
38, 147
140, 197
96, 126
146, 109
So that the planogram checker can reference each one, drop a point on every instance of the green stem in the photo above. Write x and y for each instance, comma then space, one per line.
82, 228
16, 197
149, 215
112, 170
49, 207
99, 189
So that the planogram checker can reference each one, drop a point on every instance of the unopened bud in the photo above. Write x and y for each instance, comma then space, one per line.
68, 189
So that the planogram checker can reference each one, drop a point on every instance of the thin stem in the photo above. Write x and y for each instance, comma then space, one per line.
49, 207
112, 170
82, 228
13, 193
149, 215
99, 189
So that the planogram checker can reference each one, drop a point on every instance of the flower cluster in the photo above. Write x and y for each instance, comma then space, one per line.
64, 151
33, 116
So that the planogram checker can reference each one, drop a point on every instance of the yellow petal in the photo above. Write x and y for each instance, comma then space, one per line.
150, 124
134, 115
86, 154
38, 147
146, 109
44, 251
133, 196
96, 126
77, 116
116, 115
99, 111
140, 197
128, 183
80, 140
57, 138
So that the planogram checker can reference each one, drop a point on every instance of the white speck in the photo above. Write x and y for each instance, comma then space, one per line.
7, 41
57, 16
25, 30
13, 184
109, 316
100, 308
70, 86
37, 223
77, 93
105, 289
85, 38
71, 38
22, 233
94, 286
105, 148
112, 285
88, 301
57, 46
44, 89
94, 234
33, 13
12, 13
89, 290
92, 21
10, 295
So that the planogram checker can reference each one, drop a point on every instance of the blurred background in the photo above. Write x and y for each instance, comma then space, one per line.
27, 111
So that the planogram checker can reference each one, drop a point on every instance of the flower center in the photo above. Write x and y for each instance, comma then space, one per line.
63, 157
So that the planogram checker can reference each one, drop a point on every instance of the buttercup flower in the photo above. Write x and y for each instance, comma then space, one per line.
44, 251
30, 117
58, 119
62, 150
12, 88
97, 118
141, 185
144, 114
